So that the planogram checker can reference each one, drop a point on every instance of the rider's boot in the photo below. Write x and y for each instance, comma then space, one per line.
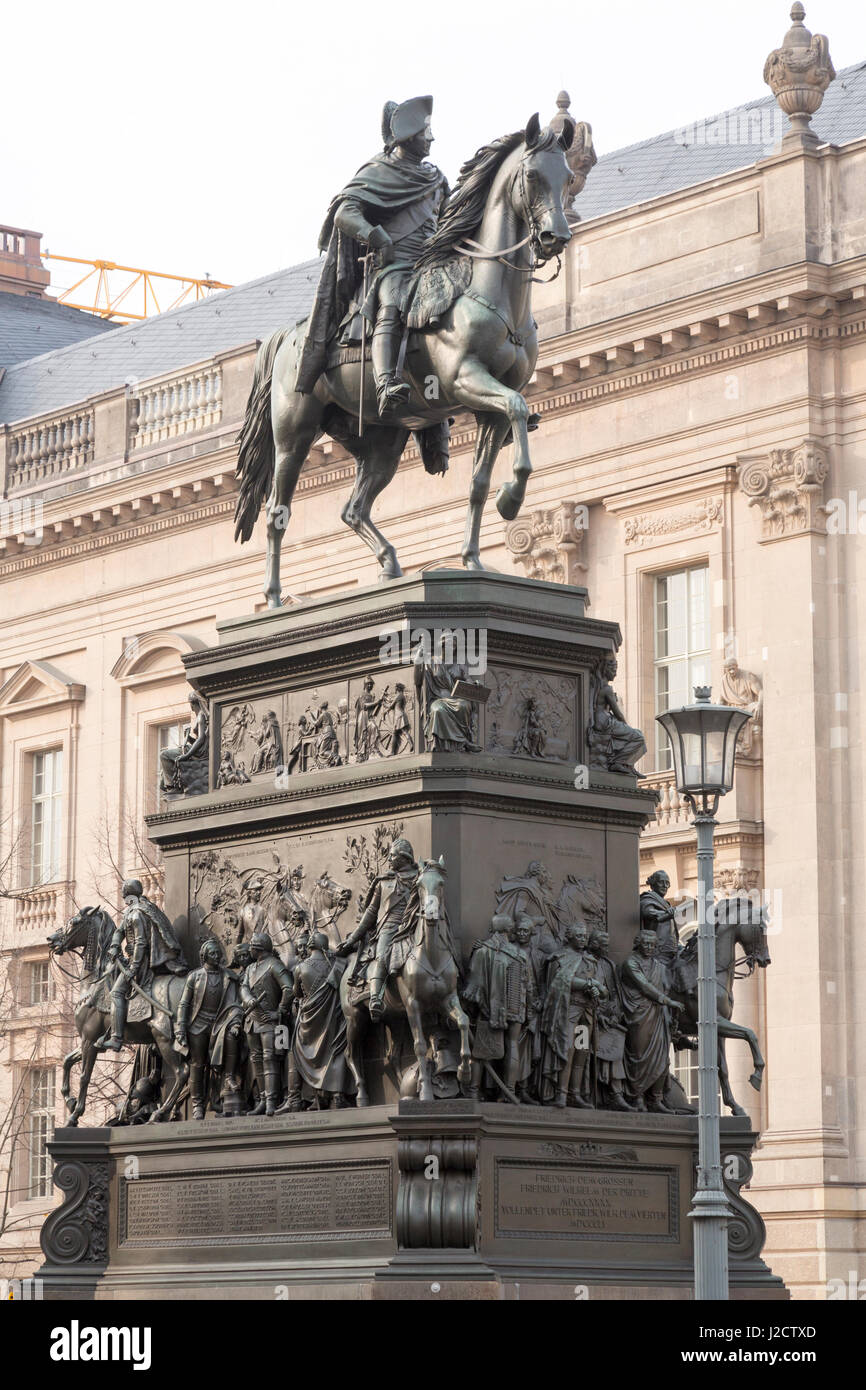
114, 1043
196, 1077
259, 1072
616, 1100
377, 979
385, 350
272, 1086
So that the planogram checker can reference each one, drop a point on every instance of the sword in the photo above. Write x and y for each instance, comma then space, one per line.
163, 1008
365, 261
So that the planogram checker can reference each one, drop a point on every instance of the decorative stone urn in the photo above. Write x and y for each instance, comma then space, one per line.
799, 74
581, 157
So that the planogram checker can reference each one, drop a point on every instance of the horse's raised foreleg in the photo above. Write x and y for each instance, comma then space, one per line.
377, 456
477, 389
492, 430
729, 1029
297, 421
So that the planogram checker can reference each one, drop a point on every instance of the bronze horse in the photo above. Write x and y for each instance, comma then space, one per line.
474, 347
89, 932
750, 936
422, 985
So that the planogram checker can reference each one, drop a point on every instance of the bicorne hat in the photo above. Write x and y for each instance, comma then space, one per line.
410, 118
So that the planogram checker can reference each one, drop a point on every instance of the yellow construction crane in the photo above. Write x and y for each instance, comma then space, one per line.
105, 298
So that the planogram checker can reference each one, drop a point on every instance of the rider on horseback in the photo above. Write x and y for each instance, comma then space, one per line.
151, 948
381, 920
390, 209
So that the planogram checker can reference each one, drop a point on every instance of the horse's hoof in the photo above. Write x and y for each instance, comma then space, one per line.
72, 1122
464, 1071
472, 561
389, 569
362, 1102
509, 500
737, 1109
756, 1079
274, 601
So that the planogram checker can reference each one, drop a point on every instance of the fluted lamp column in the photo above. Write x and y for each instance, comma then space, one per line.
703, 739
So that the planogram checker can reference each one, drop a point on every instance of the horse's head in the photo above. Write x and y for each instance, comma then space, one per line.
540, 187
430, 886
752, 936
89, 931
74, 935
748, 921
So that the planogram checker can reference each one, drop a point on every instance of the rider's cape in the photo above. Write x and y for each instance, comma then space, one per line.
384, 186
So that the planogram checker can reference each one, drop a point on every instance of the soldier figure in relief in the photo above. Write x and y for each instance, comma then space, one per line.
266, 995
152, 948
502, 988
380, 921
209, 1024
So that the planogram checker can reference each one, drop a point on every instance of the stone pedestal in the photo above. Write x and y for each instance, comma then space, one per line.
450, 1199
321, 756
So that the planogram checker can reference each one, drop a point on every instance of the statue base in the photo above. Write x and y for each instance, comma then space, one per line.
453, 1199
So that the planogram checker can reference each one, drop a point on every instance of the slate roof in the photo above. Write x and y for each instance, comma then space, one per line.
164, 343
650, 169
30, 326
709, 148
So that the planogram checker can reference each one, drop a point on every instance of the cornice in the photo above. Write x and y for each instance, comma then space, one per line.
575, 371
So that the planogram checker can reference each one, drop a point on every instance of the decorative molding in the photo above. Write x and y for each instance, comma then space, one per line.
36, 685
77, 1231
737, 878
131, 666
547, 542
788, 487
652, 527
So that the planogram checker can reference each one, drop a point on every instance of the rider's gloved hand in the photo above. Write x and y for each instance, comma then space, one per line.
380, 241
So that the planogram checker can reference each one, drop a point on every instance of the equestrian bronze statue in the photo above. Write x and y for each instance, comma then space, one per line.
440, 284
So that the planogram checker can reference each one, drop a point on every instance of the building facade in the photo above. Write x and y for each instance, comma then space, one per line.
700, 467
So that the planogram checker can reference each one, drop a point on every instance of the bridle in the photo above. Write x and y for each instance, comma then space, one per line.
475, 250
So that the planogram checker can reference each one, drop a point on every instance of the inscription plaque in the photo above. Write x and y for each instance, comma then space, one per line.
298, 1202
572, 1201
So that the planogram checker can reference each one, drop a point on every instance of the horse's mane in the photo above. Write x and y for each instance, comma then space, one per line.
465, 207
98, 941
442, 273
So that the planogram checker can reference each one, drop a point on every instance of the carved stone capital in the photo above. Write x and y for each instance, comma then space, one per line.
547, 543
788, 487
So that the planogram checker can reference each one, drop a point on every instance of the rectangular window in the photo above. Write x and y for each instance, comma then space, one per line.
40, 1128
682, 645
46, 815
684, 1066
167, 736
39, 974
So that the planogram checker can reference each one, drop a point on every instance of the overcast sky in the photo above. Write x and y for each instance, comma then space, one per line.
209, 137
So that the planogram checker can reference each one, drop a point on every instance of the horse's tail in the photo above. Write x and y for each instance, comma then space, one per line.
255, 465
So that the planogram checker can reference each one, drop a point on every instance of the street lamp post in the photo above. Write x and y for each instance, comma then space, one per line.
703, 739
